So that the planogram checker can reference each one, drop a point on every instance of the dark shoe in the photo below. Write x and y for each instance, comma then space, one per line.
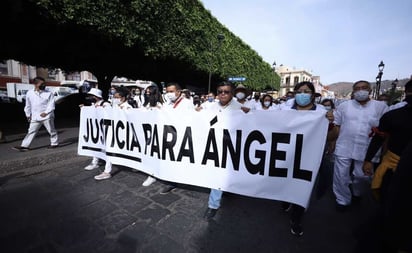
210, 213
341, 208
21, 149
52, 146
296, 229
168, 189
356, 200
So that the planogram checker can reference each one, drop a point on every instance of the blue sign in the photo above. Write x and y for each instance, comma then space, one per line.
237, 79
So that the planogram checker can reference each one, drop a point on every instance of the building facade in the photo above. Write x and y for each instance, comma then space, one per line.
289, 77
12, 71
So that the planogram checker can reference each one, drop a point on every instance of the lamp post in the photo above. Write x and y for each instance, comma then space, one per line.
393, 90
272, 79
220, 38
381, 66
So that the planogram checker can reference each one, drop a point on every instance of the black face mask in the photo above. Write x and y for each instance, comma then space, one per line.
90, 100
42, 86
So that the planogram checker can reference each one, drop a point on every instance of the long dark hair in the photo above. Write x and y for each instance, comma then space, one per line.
153, 97
310, 86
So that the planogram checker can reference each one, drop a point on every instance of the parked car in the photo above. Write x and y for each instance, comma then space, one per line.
4, 98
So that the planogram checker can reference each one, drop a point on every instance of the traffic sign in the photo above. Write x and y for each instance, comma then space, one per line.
237, 79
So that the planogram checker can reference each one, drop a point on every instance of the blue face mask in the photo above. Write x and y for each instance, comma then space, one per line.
303, 99
210, 99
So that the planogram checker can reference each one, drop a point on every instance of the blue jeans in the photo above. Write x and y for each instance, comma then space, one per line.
214, 198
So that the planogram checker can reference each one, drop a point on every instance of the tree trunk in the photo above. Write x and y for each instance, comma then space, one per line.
105, 82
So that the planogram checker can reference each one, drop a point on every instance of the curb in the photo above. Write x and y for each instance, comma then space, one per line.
28, 162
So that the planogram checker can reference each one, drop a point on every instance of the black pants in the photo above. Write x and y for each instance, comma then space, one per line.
296, 214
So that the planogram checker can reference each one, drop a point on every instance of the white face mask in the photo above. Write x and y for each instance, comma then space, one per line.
116, 101
171, 96
240, 95
266, 103
361, 95
328, 108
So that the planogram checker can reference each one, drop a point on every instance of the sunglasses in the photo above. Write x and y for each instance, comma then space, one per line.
223, 91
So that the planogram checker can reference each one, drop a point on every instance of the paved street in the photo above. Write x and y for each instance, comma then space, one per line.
49, 203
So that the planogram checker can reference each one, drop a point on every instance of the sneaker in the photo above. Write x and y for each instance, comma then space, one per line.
21, 149
168, 189
91, 166
296, 229
102, 176
53, 146
210, 213
149, 180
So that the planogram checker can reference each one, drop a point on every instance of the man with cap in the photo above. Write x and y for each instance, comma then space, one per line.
95, 96
241, 94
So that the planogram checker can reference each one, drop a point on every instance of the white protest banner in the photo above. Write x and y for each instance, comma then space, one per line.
264, 154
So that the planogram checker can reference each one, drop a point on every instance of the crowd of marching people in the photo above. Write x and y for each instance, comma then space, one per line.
368, 144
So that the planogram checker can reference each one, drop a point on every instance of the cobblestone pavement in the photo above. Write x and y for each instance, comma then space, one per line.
49, 203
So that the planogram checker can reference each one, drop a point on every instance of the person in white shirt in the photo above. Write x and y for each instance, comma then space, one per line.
176, 98
241, 93
225, 93
304, 100
267, 104
354, 120
256, 99
96, 99
119, 101
152, 101
39, 110
210, 100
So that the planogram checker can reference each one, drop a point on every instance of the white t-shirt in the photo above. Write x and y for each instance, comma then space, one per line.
232, 105
356, 122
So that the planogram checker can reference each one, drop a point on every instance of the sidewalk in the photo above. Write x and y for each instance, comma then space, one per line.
12, 160
49, 203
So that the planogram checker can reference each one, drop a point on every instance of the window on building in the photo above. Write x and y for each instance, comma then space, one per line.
287, 80
295, 80
3, 68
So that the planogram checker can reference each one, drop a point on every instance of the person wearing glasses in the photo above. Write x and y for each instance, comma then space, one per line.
355, 121
304, 100
226, 102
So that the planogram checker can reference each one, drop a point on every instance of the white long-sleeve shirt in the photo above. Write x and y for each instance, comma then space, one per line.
38, 102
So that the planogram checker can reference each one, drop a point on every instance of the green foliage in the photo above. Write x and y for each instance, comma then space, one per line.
162, 31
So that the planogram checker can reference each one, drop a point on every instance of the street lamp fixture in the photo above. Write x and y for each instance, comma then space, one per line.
220, 37
381, 66
272, 79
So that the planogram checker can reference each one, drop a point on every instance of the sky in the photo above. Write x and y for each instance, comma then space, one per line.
338, 40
